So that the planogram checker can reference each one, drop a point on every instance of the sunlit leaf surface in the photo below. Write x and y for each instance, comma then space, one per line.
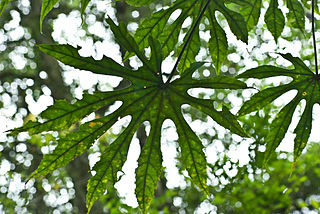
274, 19
3, 5
167, 31
148, 98
305, 82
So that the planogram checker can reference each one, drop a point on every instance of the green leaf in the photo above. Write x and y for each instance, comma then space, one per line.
279, 126
46, 7
191, 51
74, 144
307, 4
147, 98
153, 26
250, 10
3, 5
218, 44
169, 37
236, 21
168, 32
110, 163
274, 19
150, 162
138, 3
296, 15
303, 128
84, 4
62, 115
192, 156
305, 82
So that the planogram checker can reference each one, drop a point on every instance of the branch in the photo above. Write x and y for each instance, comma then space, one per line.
187, 41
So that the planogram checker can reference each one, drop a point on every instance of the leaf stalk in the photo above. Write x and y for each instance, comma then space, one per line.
196, 24
314, 40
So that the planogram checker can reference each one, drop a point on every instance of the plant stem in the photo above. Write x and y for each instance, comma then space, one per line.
314, 40
187, 41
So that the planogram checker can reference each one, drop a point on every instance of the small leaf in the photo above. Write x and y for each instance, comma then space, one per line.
274, 19
236, 21
46, 7
152, 27
263, 98
84, 4
3, 5
250, 10
138, 3
169, 37
296, 15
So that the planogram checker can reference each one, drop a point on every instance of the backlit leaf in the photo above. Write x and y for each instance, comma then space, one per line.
46, 7
236, 21
250, 10
84, 4
218, 44
274, 19
167, 31
139, 2
3, 5
305, 82
147, 98
191, 51
296, 15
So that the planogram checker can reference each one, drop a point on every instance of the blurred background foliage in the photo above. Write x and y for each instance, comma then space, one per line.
29, 77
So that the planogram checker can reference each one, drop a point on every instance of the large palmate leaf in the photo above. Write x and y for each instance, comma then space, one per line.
168, 32
305, 82
148, 98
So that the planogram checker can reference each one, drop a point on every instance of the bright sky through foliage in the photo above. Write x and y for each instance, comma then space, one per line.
67, 29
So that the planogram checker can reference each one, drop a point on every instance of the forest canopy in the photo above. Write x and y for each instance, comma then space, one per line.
159, 106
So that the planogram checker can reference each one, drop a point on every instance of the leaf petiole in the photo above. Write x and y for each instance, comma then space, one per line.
187, 41
314, 42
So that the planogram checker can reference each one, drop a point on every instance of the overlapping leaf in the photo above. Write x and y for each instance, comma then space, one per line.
46, 7
158, 26
305, 82
296, 15
148, 98
274, 19
139, 2
3, 5
250, 10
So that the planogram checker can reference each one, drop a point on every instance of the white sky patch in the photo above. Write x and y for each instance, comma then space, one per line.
169, 147
126, 185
